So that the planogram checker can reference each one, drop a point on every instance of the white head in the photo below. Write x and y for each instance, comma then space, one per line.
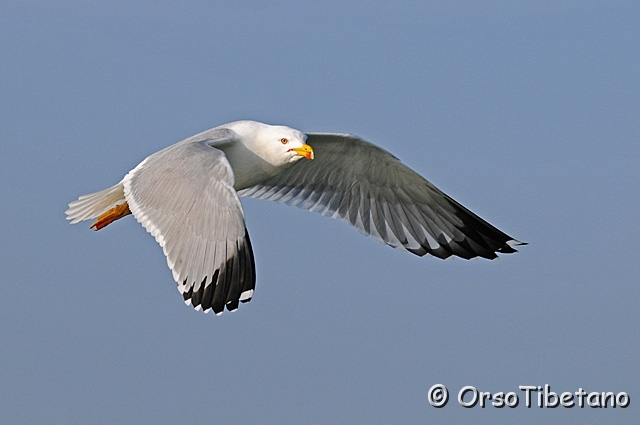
276, 144
260, 151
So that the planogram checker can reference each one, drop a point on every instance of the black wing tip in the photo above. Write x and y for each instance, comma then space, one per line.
464, 249
515, 242
506, 248
234, 282
509, 245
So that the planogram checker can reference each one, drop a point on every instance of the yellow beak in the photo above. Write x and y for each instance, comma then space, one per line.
305, 150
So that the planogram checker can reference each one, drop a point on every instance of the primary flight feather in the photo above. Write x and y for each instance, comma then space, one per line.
187, 197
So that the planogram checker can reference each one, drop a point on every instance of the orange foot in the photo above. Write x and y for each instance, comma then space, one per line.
112, 215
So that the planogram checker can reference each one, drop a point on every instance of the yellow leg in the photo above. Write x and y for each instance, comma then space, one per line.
112, 215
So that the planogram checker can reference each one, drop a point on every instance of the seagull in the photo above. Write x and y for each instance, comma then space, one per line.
188, 197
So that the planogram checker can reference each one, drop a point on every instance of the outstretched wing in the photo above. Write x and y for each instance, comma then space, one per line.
184, 196
372, 190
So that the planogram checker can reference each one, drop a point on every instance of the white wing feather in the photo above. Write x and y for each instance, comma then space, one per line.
373, 191
184, 196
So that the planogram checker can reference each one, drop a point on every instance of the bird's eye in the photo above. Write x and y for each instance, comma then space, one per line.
284, 140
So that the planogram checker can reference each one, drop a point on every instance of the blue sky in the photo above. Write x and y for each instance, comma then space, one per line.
525, 112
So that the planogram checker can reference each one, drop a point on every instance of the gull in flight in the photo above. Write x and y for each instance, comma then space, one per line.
187, 197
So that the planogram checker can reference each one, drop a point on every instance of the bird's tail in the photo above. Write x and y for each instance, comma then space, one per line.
95, 204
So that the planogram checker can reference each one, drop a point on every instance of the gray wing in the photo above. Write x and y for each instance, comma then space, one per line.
372, 190
184, 196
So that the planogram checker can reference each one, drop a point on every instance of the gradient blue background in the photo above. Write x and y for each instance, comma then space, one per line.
525, 112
